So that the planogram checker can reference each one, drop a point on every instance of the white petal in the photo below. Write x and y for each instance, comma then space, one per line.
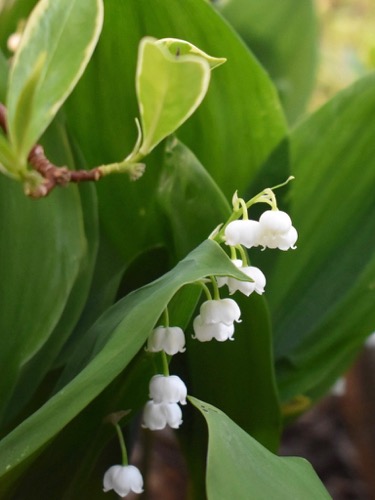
275, 221
206, 332
155, 340
242, 232
245, 287
288, 240
223, 332
169, 339
168, 389
220, 311
257, 275
123, 479
173, 414
203, 332
157, 415
223, 280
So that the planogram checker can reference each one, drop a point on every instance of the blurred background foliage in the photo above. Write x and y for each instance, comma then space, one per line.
346, 45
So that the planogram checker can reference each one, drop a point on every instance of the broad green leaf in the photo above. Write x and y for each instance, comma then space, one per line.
240, 94
40, 249
284, 36
322, 294
3, 76
194, 206
121, 332
189, 197
55, 48
7, 158
170, 87
239, 467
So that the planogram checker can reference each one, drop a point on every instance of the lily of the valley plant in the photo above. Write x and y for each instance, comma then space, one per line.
132, 290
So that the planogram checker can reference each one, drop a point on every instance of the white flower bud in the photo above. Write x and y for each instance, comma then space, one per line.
169, 389
13, 42
220, 311
205, 332
170, 339
242, 232
123, 479
157, 415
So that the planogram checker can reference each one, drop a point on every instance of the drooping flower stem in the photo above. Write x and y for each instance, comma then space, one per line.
124, 453
206, 290
265, 196
165, 361
215, 287
245, 261
165, 319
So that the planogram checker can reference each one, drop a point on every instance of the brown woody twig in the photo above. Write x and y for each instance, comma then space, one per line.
53, 175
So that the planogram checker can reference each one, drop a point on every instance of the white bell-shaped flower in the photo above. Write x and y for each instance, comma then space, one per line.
170, 339
204, 332
158, 415
123, 479
276, 230
167, 389
288, 240
245, 287
275, 221
242, 232
220, 311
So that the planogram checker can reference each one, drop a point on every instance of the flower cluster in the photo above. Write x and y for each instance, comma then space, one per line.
165, 391
163, 409
216, 320
273, 230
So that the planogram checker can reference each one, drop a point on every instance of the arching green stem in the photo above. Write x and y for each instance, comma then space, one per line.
124, 454
165, 361
215, 287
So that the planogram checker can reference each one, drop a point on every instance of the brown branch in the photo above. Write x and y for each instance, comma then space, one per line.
53, 175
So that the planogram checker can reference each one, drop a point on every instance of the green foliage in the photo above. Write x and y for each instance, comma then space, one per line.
47, 66
325, 312
284, 36
164, 102
239, 467
115, 344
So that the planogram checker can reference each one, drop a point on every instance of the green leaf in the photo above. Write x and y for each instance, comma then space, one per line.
239, 467
170, 87
4, 69
322, 294
55, 48
121, 332
40, 249
284, 36
7, 158
189, 197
